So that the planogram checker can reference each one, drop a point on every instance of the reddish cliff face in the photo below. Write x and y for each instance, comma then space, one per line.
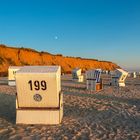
22, 56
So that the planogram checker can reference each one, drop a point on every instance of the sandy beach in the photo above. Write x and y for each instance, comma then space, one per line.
111, 114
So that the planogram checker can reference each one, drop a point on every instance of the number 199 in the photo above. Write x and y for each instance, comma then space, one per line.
37, 85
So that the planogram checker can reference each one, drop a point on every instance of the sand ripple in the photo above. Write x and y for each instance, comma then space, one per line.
111, 114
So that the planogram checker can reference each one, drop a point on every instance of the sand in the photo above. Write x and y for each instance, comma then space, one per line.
111, 114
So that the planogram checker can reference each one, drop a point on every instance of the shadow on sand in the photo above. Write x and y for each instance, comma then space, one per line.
8, 107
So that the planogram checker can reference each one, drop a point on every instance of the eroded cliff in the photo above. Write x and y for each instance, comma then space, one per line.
23, 56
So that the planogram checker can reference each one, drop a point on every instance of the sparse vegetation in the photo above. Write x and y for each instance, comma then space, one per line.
59, 55
28, 49
78, 57
42, 52
2, 45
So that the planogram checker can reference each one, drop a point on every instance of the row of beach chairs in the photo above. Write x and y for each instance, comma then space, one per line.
93, 77
94, 81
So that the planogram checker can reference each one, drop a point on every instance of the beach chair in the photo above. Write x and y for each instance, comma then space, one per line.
119, 77
134, 75
138, 74
93, 80
11, 74
77, 76
39, 99
129, 74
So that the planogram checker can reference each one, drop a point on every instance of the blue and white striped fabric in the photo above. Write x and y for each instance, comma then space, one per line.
97, 75
94, 75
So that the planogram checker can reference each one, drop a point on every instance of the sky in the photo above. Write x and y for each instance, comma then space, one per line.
99, 29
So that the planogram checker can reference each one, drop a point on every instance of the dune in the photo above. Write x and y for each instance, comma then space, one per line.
10, 56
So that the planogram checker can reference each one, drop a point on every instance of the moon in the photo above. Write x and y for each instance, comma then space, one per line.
56, 37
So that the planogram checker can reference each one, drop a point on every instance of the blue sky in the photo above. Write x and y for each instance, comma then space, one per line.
100, 29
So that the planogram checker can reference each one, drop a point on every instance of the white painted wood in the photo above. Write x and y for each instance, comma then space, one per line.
11, 74
93, 78
79, 79
76, 73
40, 116
50, 96
36, 104
119, 77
